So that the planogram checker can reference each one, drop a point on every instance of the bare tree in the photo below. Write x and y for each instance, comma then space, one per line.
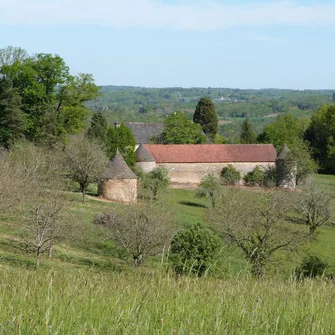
30, 184
84, 162
255, 224
315, 205
139, 230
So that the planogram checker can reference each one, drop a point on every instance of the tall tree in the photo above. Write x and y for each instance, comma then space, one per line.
98, 128
178, 129
84, 161
123, 139
248, 136
12, 119
321, 136
205, 115
52, 99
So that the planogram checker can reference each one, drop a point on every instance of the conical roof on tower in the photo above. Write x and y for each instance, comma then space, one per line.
117, 168
143, 155
283, 152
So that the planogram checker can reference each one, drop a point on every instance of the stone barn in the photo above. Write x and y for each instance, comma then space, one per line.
189, 163
118, 183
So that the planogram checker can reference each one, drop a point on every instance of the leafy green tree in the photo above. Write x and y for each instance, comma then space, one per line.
52, 99
10, 55
98, 128
321, 136
156, 181
12, 119
193, 250
333, 97
178, 129
205, 115
283, 130
210, 187
123, 139
247, 136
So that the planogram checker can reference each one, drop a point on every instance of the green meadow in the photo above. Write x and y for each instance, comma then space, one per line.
86, 289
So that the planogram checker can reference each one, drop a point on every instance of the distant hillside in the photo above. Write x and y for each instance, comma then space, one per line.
127, 103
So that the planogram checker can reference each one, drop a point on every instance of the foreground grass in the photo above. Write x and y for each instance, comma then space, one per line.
59, 302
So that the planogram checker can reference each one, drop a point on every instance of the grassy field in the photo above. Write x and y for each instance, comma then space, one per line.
89, 302
85, 288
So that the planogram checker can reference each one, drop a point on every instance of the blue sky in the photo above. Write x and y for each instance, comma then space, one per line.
156, 43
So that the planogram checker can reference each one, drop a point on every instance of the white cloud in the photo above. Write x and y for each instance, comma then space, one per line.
203, 15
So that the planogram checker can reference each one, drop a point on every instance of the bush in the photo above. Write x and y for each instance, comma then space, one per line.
311, 267
230, 176
270, 177
255, 177
156, 181
193, 250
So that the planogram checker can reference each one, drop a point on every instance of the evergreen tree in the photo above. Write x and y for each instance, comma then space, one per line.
123, 139
248, 136
12, 119
98, 128
205, 115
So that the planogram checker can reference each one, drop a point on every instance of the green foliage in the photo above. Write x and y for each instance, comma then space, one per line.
121, 138
205, 115
210, 187
52, 100
284, 130
311, 267
255, 177
12, 119
193, 250
98, 128
156, 181
230, 176
321, 136
270, 177
178, 129
247, 136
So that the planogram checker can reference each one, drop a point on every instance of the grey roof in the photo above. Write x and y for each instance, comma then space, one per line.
117, 168
283, 152
143, 132
143, 155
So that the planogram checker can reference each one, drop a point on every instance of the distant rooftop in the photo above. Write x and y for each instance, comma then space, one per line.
212, 153
143, 132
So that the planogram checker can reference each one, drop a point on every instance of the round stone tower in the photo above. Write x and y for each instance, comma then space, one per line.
118, 182
144, 159
286, 169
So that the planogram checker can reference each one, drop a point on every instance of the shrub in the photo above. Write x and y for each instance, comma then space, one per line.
270, 177
311, 266
255, 177
210, 187
193, 250
156, 181
230, 176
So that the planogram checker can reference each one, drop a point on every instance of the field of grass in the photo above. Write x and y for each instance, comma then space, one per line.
89, 302
85, 288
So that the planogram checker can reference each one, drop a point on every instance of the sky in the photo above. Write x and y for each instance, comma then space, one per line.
184, 43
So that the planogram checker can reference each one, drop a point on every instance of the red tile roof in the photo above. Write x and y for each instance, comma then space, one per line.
212, 153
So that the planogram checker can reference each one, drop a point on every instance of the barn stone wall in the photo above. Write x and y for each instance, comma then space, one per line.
145, 166
192, 173
119, 190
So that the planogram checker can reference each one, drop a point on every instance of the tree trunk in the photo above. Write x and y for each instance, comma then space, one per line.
83, 192
37, 264
312, 230
137, 261
50, 249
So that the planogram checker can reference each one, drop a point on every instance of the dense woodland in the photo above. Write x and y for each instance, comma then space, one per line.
218, 259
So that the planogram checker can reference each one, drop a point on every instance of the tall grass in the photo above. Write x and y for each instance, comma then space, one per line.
58, 302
